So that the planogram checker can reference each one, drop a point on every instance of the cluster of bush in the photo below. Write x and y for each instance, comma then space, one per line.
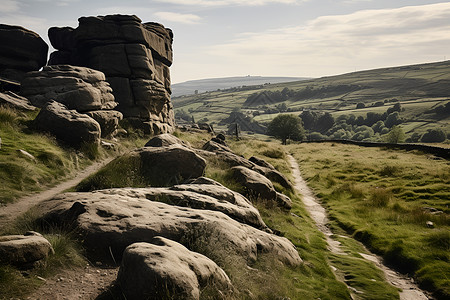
372, 127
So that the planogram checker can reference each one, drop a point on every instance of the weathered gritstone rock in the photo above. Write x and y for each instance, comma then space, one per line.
164, 268
78, 88
164, 140
214, 197
21, 51
111, 222
256, 184
15, 101
148, 166
108, 120
135, 58
24, 250
66, 125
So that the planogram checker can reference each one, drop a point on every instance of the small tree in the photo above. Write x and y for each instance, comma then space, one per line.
396, 135
285, 127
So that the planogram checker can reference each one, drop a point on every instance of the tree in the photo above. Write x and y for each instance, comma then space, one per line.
324, 122
396, 135
433, 136
285, 127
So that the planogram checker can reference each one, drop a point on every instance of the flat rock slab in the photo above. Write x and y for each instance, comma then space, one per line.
110, 222
24, 250
166, 269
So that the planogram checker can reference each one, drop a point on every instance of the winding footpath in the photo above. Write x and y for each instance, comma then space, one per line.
410, 291
11, 211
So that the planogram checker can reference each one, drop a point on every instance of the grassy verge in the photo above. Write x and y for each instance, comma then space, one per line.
51, 163
394, 201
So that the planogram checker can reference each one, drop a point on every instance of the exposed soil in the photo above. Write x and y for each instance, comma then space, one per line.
82, 283
409, 290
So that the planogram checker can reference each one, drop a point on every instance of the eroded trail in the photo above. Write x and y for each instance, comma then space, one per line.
410, 291
10, 212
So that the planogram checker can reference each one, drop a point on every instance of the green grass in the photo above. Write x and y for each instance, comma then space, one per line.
381, 197
20, 174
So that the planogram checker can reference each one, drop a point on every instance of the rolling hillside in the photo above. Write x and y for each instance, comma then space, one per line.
419, 89
213, 84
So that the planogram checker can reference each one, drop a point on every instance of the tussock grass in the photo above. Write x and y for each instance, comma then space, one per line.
390, 208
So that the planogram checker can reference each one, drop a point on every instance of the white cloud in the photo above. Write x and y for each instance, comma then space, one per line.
177, 17
230, 2
9, 6
363, 39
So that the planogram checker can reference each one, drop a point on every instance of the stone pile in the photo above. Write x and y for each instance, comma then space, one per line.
21, 51
135, 58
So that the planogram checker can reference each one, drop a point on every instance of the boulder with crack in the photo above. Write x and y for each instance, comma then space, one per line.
164, 268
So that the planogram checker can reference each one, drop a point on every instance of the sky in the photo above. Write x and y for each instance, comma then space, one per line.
300, 38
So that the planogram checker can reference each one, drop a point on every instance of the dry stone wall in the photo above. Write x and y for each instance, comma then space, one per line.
135, 58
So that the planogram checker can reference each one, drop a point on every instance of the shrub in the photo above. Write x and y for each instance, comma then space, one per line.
433, 136
379, 197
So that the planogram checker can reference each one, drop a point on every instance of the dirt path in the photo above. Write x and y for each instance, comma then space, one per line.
410, 291
10, 212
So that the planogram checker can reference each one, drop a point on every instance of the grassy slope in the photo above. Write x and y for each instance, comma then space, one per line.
18, 173
379, 196
418, 88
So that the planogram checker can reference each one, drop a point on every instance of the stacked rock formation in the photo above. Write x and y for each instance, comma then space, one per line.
135, 58
77, 88
21, 51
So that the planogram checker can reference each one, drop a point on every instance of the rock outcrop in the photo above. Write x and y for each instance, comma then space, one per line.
163, 267
24, 251
148, 166
21, 51
109, 222
135, 58
15, 101
78, 88
69, 126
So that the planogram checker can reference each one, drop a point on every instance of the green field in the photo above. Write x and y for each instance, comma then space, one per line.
418, 88
395, 202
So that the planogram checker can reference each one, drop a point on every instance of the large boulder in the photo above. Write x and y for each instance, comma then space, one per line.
78, 88
16, 102
108, 222
66, 125
148, 166
165, 269
135, 58
24, 251
21, 51
165, 139
256, 185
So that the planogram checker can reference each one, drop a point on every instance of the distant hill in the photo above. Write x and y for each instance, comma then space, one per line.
213, 84
418, 95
